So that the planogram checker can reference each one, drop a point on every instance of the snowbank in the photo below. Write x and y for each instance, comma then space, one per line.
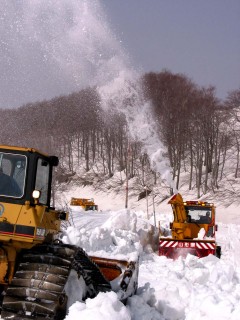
184, 289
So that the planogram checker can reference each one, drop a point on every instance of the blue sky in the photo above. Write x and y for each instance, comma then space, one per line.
200, 38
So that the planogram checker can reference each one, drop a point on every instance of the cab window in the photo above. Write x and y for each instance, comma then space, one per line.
199, 214
42, 179
12, 174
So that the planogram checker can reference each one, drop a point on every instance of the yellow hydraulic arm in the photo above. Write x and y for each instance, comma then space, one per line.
178, 208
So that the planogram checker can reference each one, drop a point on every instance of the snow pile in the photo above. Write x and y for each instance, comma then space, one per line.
105, 306
118, 234
184, 289
189, 289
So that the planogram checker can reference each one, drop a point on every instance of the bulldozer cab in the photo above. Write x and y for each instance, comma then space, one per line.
26, 215
25, 174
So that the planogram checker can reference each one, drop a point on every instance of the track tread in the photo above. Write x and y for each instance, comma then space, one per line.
37, 289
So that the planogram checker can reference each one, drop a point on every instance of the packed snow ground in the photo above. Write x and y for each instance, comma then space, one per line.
185, 289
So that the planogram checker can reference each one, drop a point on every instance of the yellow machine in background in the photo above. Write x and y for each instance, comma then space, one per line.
86, 204
193, 229
34, 263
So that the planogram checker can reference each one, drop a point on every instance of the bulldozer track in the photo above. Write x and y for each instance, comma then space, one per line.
37, 289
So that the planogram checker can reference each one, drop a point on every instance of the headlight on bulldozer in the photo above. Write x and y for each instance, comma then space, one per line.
36, 194
40, 232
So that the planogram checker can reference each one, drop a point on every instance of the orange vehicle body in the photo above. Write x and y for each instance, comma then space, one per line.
86, 204
193, 230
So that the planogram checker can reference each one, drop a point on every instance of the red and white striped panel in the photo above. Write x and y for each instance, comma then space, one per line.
205, 245
187, 244
168, 244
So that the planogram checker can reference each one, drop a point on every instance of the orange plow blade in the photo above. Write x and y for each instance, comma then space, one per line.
122, 273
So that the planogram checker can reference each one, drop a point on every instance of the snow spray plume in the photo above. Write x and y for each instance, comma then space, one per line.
53, 47
124, 92
60, 46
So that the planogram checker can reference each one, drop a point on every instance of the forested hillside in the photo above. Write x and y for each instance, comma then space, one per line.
197, 129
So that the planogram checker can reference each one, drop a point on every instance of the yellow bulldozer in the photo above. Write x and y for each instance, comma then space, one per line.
85, 204
34, 263
192, 230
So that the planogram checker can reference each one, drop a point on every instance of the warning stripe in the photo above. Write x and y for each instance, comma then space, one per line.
186, 244
203, 245
168, 244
